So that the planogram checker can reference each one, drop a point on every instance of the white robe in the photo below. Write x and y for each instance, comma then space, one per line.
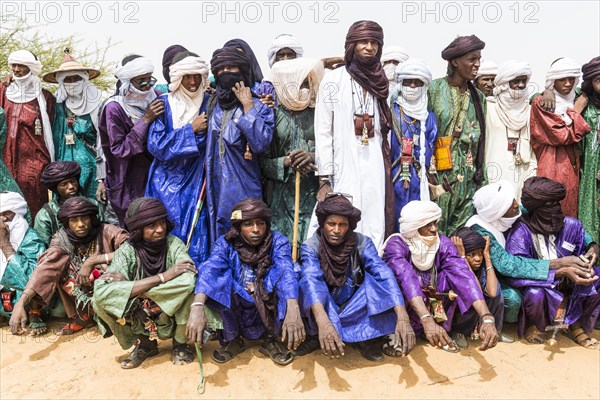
500, 162
356, 169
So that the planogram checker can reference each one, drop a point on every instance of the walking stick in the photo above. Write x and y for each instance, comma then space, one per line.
296, 218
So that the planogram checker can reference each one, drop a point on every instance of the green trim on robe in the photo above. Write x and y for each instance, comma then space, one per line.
84, 149
456, 208
44, 222
293, 131
111, 300
21, 265
589, 187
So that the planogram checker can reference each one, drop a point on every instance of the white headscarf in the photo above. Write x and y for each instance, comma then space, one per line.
491, 202
413, 216
29, 87
134, 101
184, 104
390, 53
10, 201
487, 68
288, 75
563, 68
513, 104
81, 97
414, 104
282, 42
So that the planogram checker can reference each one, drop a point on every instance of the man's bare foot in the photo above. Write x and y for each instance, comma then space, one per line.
533, 335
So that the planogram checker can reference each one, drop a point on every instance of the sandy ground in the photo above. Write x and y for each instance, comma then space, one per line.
85, 366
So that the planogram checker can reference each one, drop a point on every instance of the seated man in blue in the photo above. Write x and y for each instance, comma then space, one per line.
570, 295
348, 293
250, 281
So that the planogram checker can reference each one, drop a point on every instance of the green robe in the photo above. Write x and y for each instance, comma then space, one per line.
511, 266
456, 208
84, 149
112, 300
47, 223
21, 265
294, 130
589, 187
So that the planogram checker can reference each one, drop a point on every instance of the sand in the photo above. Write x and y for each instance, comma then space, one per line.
85, 366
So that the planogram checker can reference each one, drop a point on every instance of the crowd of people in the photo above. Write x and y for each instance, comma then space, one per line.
345, 200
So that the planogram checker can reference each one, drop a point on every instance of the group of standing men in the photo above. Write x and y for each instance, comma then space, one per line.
367, 173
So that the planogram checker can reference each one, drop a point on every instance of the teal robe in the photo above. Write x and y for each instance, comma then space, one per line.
112, 300
589, 184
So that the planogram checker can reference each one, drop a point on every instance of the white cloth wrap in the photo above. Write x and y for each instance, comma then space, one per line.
282, 42
563, 68
487, 68
288, 75
11, 201
390, 53
134, 101
513, 104
82, 97
184, 104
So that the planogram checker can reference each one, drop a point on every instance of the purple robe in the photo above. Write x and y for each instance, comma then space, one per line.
541, 299
127, 158
370, 312
453, 273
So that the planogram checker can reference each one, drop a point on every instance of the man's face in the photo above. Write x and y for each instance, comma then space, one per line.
413, 83
19, 70
429, 230
513, 211
564, 85
366, 48
143, 82
155, 231
191, 83
596, 84
485, 83
68, 188
80, 226
7, 216
254, 231
285, 54
335, 229
475, 258
227, 68
467, 66
519, 83
72, 79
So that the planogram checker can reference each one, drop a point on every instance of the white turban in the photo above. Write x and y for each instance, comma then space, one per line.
416, 214
11, 201
390, 53
184, 104
134, 101
513, 104
282, 42
26, 88
491, 202
288, 75
487, 68
563, 68
82, 97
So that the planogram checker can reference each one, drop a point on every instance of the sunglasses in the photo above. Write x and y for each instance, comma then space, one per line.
346, 195
142, 84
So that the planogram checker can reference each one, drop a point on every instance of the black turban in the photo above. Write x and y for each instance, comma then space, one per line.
547, 219
337, 205
58, 171
470, 238
590, 71
141, 213
232, 57
78, 207
167, 60
462, 45
249, 209
256, 74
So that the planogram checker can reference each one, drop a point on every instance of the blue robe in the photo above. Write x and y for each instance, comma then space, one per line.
230, 177
176, 176
369, 313
222, 278
541, 298
413, 192
21, 265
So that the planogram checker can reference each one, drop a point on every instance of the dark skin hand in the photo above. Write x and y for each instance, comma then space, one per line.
487, 333
593, 253
404, 335
581, 103
267, 100
197, 322
95, 262
329, 339
292, 329
154, 110
301, 161
324, 188
200, 123
101, 193
244, 95
548, 102
435, 334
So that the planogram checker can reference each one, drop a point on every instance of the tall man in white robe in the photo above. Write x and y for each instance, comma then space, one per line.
352, 120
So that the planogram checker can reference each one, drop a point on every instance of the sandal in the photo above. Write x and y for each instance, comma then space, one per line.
77, 325
390, 350
460, 340
533, 335
371, 350
182, 353
139, 354
229, 351
278, 353
308, 346
37, 326
581, 337
452, 347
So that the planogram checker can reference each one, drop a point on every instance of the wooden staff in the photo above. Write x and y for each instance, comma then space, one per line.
296, 218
